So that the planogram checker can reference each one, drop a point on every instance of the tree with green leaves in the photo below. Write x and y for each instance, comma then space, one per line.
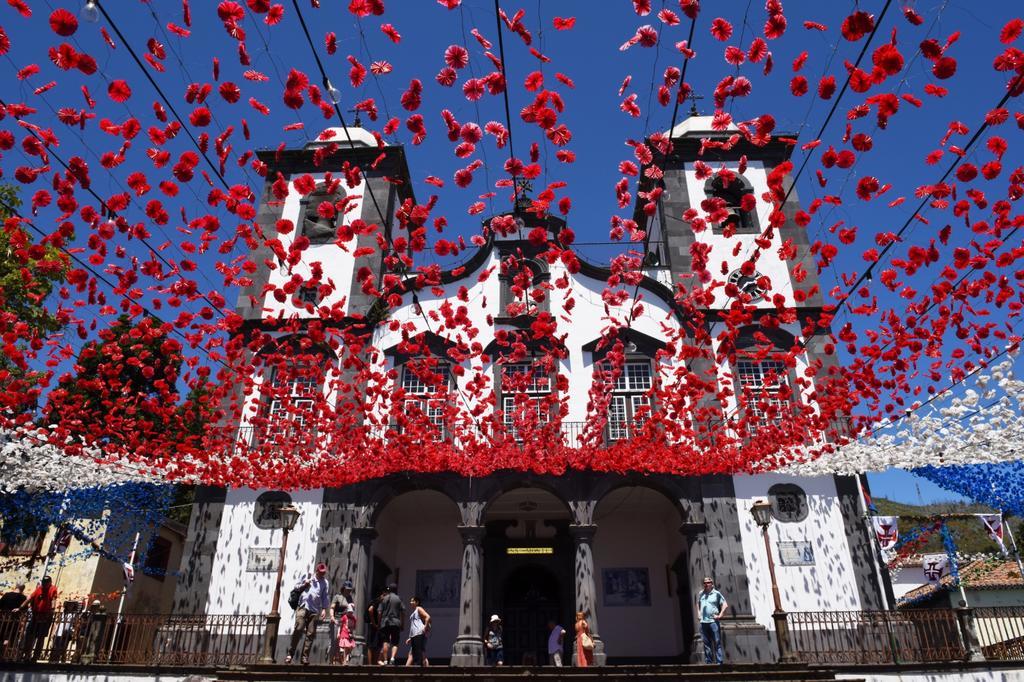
29, 272
123, 392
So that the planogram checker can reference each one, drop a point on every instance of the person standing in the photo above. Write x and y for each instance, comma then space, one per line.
346, 630
556, 641
373, 639
494, 645
339, 607
584, 642
419, 626
312, 609
711, 606
391, 614
11, 610
41, 604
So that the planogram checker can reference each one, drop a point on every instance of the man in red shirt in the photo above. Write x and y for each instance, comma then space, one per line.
41, 603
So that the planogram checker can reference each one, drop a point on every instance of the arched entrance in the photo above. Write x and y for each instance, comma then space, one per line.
532, 599
418, 544
528, 569
644, 596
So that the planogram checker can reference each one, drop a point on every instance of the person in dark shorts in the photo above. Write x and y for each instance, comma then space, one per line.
419, 626
373, 641
391, 614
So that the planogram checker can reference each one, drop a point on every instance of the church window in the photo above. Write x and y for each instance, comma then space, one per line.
320, 217
630, 400
421, 385
265, 513
789, 502
525, 390
765, 385
732, 193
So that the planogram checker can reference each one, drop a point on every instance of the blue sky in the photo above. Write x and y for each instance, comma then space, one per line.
589, 54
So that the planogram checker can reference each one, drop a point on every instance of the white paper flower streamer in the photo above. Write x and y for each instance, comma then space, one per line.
981, 425
28, 462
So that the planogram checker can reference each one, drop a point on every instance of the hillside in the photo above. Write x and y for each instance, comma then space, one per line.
969, 534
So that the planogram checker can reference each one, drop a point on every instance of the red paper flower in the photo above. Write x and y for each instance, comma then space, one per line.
857, 25
720, 29
230, 92
1011, 30
944, 67
391, 32
119, 91
63, 22
564, 23
456, 57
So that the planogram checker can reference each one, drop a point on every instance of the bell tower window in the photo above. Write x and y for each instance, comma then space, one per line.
319, 216
732, 192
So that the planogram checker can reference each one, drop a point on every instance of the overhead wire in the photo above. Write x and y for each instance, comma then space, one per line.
160, 92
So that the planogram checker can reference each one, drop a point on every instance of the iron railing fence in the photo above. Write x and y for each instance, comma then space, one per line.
573, 434
1000, 632
74, 636
849, 637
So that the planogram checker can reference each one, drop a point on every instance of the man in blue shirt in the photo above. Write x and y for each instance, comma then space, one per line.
711, 606
312, 609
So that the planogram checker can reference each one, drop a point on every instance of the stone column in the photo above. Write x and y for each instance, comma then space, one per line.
586, 589
361, 541
468, 649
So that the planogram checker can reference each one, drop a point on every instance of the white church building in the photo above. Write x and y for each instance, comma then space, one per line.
628, 549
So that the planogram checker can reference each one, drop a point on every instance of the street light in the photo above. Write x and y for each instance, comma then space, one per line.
287, 516
761, 510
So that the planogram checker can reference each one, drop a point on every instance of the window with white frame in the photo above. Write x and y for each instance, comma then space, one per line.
630, 400
525, 388
293, 396
764, 384
422, 392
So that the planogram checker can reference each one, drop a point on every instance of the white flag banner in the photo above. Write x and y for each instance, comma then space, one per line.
129, 572
935, 567
994, 527
885, 530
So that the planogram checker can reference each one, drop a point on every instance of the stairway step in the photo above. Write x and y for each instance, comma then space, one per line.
739, 673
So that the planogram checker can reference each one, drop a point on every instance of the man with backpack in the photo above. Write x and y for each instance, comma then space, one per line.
310, 599
391, 613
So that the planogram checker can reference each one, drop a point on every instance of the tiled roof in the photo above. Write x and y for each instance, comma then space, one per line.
977, 575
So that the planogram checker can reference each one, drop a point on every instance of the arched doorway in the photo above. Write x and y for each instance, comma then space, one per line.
418, 544
532, 599
528, 569
644, 596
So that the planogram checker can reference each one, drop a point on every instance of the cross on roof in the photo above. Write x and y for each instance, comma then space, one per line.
693, 97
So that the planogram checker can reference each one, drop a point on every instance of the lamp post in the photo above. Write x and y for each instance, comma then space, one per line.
761, 510
287, 516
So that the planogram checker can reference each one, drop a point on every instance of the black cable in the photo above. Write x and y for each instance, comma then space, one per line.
341, 118
508, 108
110, 212
160, 92
14, 212
924, 202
